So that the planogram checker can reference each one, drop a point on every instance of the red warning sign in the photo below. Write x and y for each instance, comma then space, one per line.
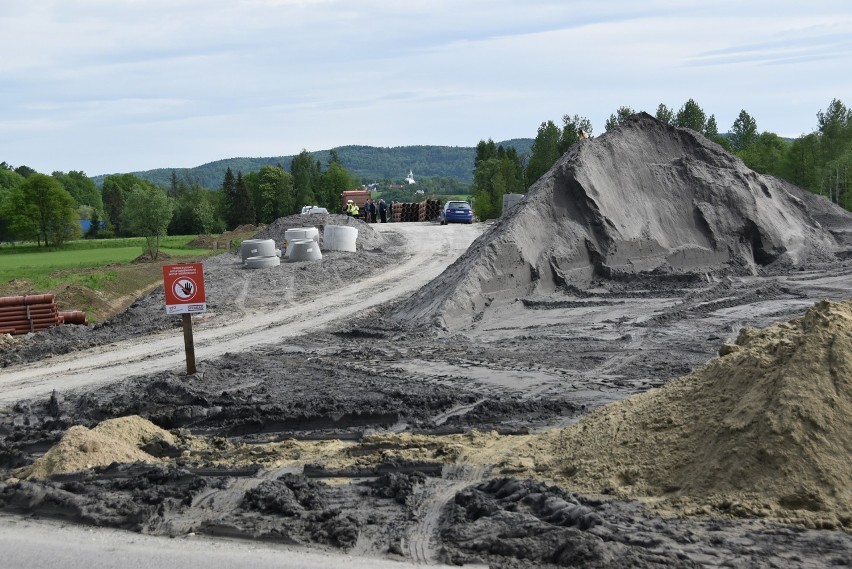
184, 288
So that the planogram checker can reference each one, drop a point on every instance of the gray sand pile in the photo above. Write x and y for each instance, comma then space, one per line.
115, 440
644, 198
763, 430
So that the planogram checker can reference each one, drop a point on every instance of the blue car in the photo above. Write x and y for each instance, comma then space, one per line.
460, 212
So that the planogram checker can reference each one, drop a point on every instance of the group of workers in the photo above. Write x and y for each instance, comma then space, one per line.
370, 210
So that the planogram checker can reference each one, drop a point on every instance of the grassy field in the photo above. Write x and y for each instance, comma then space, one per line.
38, 266
99, 277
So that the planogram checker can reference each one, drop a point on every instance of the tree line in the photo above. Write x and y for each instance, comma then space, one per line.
367, 163
820, 161
48, 209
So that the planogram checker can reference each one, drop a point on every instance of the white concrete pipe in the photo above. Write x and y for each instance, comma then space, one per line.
290, 245
295, 233
257, 248
262, 262
303, 250
340, 238
301, 233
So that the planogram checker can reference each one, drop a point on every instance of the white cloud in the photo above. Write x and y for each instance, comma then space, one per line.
159, 83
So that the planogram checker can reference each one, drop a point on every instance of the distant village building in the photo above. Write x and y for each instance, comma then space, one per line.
410, 178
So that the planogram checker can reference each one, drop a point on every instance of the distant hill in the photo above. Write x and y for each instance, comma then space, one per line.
368, 163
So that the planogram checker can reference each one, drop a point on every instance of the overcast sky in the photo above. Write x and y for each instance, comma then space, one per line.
108, 86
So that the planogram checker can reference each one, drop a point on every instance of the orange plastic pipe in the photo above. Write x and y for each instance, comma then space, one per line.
29, 299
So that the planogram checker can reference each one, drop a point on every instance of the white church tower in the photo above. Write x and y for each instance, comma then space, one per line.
410, 178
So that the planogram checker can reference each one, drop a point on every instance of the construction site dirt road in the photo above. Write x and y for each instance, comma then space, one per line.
296, 313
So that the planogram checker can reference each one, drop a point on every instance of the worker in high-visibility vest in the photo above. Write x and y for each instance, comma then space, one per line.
352, 209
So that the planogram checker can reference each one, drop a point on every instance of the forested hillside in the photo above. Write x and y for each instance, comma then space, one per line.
366, 163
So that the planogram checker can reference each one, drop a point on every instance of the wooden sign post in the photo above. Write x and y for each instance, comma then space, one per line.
184, 291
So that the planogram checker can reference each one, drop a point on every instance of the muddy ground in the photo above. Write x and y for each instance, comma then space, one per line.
320, 439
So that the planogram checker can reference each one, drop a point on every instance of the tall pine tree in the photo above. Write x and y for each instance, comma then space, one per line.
244, 213
229, 199
305, 172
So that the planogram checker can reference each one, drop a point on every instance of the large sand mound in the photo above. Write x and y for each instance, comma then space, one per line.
764, 429
643, 198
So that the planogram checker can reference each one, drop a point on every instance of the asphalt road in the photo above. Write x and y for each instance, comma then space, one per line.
27, 543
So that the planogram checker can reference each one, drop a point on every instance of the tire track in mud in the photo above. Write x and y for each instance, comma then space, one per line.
441, 418
422, 537
216, 503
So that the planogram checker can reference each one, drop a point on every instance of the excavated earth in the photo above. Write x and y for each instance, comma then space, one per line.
522, 409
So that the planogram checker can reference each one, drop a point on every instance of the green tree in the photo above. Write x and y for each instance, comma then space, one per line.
305, 172
838, 179
494, 177
711, 129
194, 212
229, 199
691, 116
42, 209
571, 127
743, 132
767, 154
803, 162
621, 115
82, 188
835, 144
174, 185
664, 114
485, 150
6, 215
334, 181
272, 193
147, 213
819, 161
116, 188
19, 223
244, 213
545, 152
25, 171
94, 225
835, 128
9, 178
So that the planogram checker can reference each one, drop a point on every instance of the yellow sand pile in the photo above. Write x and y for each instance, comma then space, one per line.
765, 429
115, 440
